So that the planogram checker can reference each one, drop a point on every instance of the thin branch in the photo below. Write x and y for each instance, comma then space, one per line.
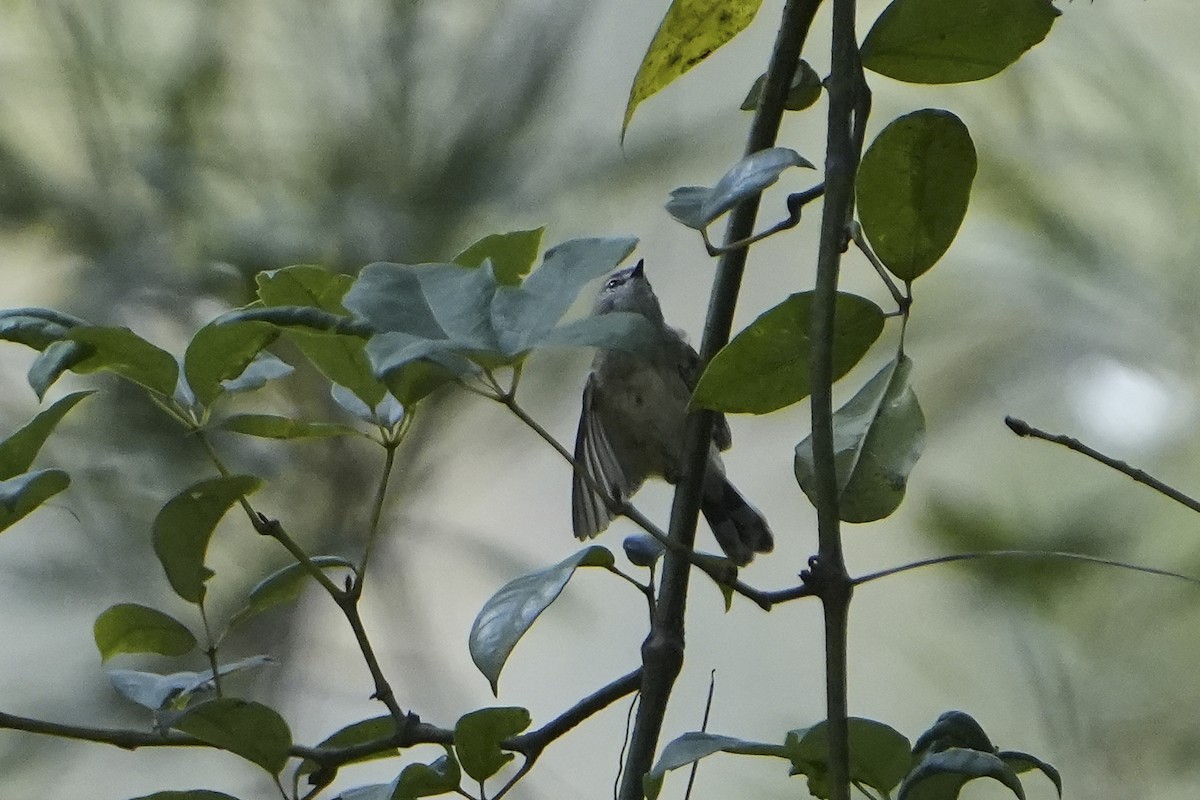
662, 652
125, 739
377, 511
1030, 555
903, 302
712, 687
1022, 428
795, 204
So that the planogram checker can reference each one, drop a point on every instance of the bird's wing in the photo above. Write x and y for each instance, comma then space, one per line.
689, 370
590, 513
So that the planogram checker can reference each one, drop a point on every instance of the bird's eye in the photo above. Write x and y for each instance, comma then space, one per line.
613, 283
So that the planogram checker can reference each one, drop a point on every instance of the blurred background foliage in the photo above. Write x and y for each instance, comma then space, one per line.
155, 155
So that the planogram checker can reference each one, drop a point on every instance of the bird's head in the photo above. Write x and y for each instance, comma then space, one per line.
629, 290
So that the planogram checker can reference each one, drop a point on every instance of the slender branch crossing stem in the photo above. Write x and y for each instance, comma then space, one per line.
662, 652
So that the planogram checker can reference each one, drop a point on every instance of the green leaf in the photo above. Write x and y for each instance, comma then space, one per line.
284, 586
877, 438
132, 628
250, 730
417, 380
765, 367
186, 523
18, 451
880, 755
617, 330
121, 351
940, 776
191, 794
522, 316
36, 327
510, 612
477, 738
952, 41
698, 206
21, 494
412, 367
177, 689
339, 357
953, 729
913, 188
426, 780
270, 426
303, 317
265, 367
1023, 762
512, 254
691, 747
805, 90
376, 729
221, 351
688, 34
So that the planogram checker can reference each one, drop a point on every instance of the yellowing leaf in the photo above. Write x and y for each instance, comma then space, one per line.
690, 32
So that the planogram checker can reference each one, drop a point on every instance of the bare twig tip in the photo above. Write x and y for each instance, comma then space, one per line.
1018, 426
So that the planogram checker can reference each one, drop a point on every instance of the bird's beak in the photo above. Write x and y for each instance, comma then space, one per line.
640, 269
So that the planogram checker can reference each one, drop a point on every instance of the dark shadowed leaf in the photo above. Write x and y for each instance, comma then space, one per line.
953, 729
877, 438
427, 780
250, 730
1023, 762
18, 451
688, 34
691, 747
805, 89
765, 367
952, 41
269, 426
940, 776
697, 207
52, 362
477, 738
284, 586
512, 254
132, 628
21, 494
35, 327
305, 318
913, 188
190, 794
880, 755
185, 524
510, 612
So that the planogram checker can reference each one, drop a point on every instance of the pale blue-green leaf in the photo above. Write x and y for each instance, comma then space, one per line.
940, 776
697, 207
351, 403
510, 612
35, 327
522, 315
691, 747
156, 692
878, 435
248, 729
265, 367
21, 494
18, 451
390, 298
642, 549
477, 738
183, 527
618, 330
57, 358
133, 628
